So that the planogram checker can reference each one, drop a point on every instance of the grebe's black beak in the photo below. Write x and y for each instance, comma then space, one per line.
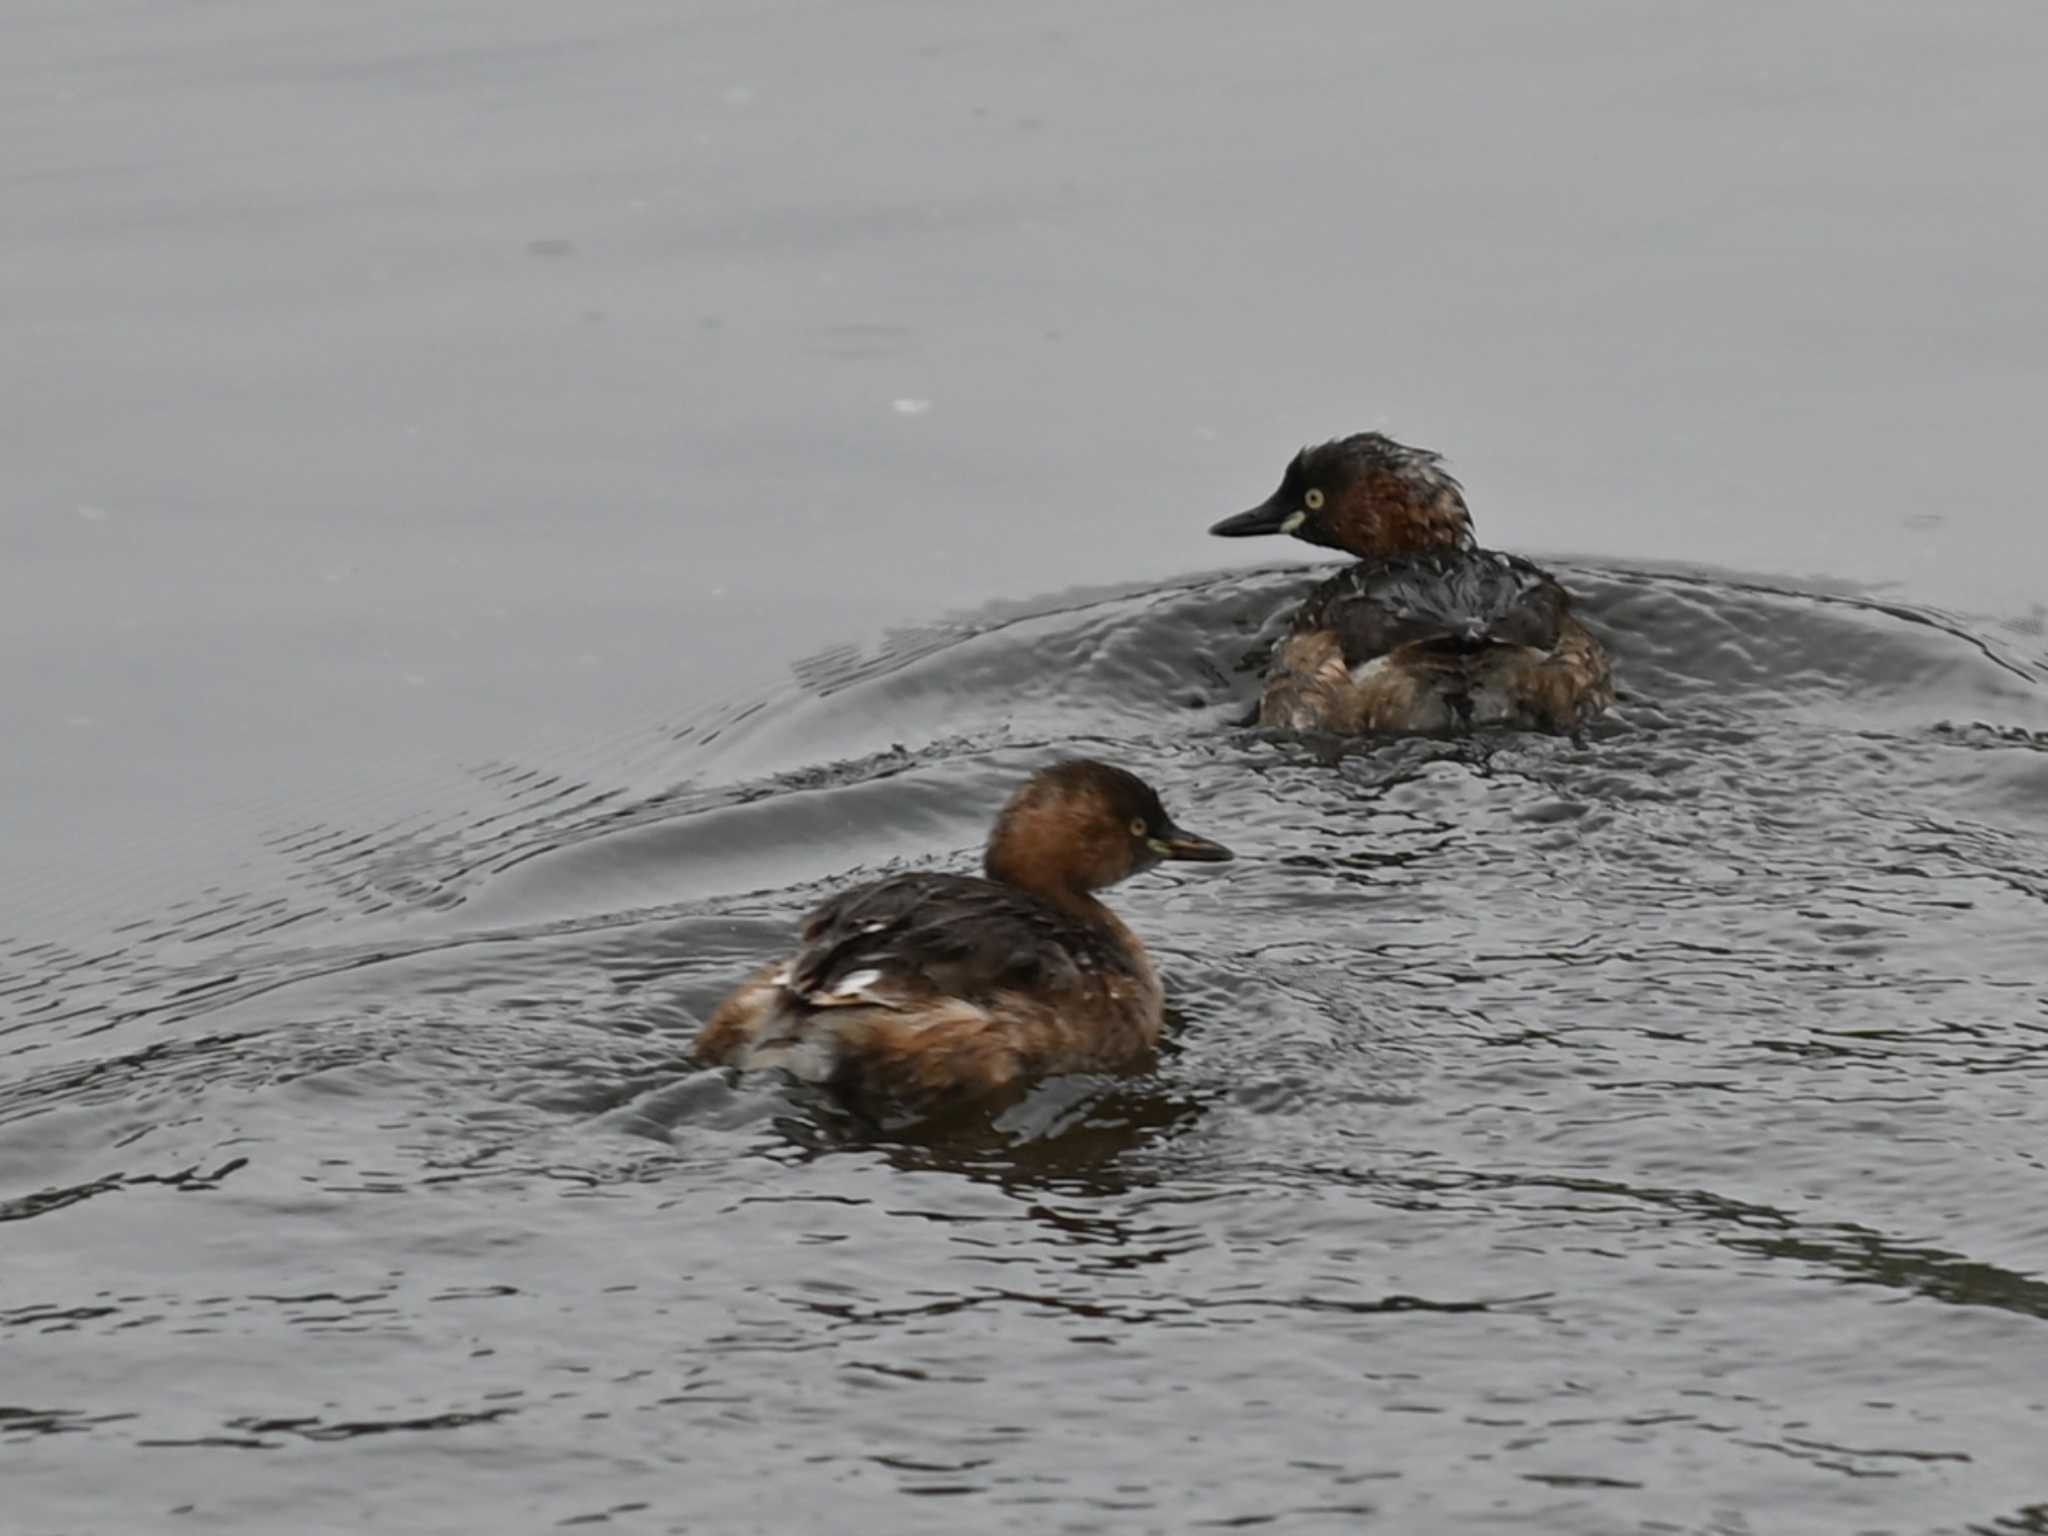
1177, 844
1269, 516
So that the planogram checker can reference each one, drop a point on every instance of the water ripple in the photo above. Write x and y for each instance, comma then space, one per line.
1582, 1134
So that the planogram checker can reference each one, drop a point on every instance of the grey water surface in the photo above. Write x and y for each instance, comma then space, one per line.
503, 505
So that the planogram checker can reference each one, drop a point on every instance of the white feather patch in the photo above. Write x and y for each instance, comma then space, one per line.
853, 987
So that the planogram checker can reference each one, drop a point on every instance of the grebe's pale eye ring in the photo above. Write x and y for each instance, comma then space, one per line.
1313, 500
1138, 826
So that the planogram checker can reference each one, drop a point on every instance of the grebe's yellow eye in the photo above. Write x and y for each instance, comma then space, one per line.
1313, 501
1137, 826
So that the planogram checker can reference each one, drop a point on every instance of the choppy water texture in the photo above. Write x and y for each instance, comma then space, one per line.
1642, 1133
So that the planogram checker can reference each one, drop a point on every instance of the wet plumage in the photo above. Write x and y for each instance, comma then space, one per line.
1455, 598
921, 986
937, 935
1427, 632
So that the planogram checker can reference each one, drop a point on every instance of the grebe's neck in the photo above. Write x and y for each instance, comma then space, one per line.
1032, 858
1032, 869
1400, 521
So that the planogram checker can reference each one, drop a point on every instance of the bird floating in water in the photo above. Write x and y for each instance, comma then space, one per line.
920, 986
1428, 632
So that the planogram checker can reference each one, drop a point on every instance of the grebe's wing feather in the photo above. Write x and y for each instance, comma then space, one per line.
912, 938
1460, 599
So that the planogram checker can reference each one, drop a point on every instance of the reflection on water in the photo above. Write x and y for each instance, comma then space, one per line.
1567, 1134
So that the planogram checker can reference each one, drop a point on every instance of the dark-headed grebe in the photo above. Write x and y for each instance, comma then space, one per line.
1428, 632
923, 986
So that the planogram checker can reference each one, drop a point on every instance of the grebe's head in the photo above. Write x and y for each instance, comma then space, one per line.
1081, 825
1366, 495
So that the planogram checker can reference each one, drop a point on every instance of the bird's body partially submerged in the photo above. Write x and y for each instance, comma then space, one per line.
1436, 642
922, 986
1428, 632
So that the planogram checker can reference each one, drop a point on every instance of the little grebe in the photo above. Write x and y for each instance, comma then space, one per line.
1428, 632
923, 985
